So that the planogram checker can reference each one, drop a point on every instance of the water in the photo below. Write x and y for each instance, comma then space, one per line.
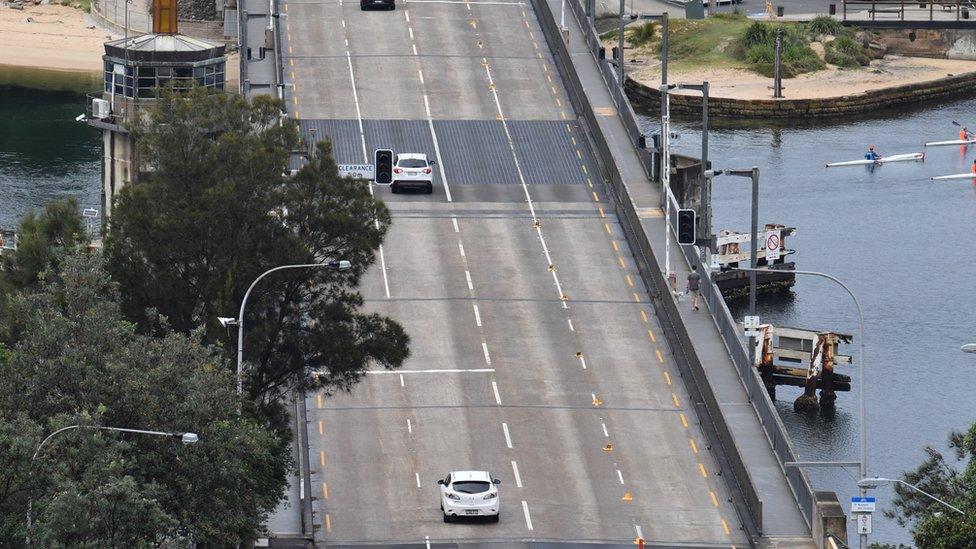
901, 242
44, 154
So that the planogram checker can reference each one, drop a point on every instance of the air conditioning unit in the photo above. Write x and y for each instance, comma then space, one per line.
100, 109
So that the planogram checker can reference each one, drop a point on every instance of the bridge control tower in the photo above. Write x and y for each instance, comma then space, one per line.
135, 69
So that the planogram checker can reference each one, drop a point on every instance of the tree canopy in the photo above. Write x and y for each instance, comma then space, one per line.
214, 212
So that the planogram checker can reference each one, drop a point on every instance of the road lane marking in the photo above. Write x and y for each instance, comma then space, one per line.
518, 478
660, 357
455, 223
318, 400
620, 260
420, 74
674, 398
414, 47
409, 426
620, 476
701, 469
508, 436
582, 361
427, 541
484, 347
461, 248
694, 447
606, 227
407, 15
714, 499
410, 30
437, 150
322, 458
630, 281
321, 427
402, 383
328, 523
595, 197
616, 247
528, 519
684, 421
343, 26
433, 371
467, 275
605, 432
325, 490
650, 334
477, 315
725, 526
570, 321
494, 388
417, 476
643, 314
640, 534
667, 378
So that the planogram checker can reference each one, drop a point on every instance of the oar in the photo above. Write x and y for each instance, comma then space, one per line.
954, 123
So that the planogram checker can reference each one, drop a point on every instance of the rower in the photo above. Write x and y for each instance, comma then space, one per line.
973, 169
872, 155
964, 134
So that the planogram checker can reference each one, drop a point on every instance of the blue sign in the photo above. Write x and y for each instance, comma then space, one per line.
864, 499
863, 504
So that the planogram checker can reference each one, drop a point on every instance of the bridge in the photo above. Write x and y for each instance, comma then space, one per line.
545, 345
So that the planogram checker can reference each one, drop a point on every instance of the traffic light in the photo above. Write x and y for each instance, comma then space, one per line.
383, 161
686, 226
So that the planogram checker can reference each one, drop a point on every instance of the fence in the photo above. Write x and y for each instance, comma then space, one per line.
647, 263
916, 10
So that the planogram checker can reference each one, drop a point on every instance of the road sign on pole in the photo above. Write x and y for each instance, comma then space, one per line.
863, 523
772, 245
356, 171
863, 504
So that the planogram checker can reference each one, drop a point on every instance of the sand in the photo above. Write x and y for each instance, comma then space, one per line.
893, 70
59, 38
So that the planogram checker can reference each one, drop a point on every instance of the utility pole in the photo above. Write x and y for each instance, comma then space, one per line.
704, 209
620, 47
753, 259
778, 65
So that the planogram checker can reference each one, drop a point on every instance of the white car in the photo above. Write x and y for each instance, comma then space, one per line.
469, 494
413, 170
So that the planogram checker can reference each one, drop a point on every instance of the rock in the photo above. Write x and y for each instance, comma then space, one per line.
27, 20
876, 50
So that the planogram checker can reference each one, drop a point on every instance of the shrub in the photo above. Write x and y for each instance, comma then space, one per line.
824, 25
643, 34
797, 57
757, 34
845, 52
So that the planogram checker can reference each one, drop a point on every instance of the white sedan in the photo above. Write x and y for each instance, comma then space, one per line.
412, 170
469, 494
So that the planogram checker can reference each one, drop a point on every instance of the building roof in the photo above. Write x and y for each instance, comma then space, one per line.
164, 48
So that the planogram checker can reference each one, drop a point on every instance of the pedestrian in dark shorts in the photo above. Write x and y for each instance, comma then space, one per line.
694, 287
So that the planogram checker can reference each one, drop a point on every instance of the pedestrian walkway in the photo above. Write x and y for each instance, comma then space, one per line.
782, 518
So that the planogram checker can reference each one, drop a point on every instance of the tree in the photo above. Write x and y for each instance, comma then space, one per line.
214, 212
78, 361
936, 526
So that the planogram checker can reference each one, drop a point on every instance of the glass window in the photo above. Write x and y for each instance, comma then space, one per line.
471, 486
412, 163
149, 72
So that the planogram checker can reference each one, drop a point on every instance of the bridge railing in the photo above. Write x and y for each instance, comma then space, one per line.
957, 10
658, 286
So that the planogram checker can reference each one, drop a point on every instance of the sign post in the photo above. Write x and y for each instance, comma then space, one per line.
861, 508
772, 246
357, 171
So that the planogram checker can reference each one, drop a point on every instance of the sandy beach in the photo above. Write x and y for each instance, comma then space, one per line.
893, 70
58, 38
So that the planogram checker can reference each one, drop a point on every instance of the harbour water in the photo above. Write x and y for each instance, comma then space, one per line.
900, 241
44, 154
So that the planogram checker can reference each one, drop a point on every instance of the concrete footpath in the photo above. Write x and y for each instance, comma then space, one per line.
783, 522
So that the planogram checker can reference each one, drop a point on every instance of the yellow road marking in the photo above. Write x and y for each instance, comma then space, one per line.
644, 316
318, 400
621, 261
606, 227
291, 50
549, 78
536, 44
660, 357
650, 334
579, 154
573, 139
616, 247
636, 298
562, 115
291, 62
295, 100
684, 422
321, 428
630, 281
667, 378
325, 490
694, 447
585, 171
322, 458
714, 498
674, 398
588, 182
701, 468
602, 213
292, 75
286, 7
569, 129
725, 526
595, 197
328, 523
558, 102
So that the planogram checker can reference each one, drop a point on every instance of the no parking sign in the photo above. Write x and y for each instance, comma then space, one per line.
772, 245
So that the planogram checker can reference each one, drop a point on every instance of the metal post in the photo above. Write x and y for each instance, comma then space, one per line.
753, 254
562, 16
778, 65
664, 48
703, 209
666, 177
620, 46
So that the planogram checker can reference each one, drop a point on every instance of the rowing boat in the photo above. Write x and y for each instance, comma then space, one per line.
955, 176
952, 142
883, 160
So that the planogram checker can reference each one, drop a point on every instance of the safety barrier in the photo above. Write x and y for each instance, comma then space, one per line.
658, 286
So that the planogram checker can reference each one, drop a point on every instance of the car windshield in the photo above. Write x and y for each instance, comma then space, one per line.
412, 163
471, 486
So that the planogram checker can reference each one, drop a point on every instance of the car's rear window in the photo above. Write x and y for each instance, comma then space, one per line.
471, 486
412, 163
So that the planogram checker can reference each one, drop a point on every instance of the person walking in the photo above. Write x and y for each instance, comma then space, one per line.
694, 287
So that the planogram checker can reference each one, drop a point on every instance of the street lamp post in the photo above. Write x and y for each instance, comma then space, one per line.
874, 482
341, 265
187, 438
862, 423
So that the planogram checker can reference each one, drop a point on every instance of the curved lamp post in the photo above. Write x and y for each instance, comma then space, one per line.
874, 482
187, 438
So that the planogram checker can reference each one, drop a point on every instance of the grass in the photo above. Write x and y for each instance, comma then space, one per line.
696, 43
84, 5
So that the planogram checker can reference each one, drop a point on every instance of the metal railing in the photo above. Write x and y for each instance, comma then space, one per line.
899, 7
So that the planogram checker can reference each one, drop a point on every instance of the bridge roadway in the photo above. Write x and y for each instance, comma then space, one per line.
535, 351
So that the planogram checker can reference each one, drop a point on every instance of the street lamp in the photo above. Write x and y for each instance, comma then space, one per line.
969, 348
862, 427
340, 265
185, 437
874, 482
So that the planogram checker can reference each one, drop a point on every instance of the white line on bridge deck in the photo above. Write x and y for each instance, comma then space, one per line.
435, 371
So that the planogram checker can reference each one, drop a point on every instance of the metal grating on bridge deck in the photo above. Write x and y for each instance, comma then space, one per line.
473, 151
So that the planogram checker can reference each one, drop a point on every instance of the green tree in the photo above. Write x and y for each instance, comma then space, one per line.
214, 212
952, 480
78, 361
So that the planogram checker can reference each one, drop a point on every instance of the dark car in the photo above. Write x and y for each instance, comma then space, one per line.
370, 4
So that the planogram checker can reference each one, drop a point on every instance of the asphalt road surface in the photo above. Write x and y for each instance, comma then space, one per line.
536, 354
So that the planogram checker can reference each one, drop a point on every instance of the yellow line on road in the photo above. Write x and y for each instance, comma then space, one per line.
644, 316
650, 334
578, 153
321, 428
602, 213
660, 357
606, 227
616, 247
562, 114
325, 490
714, 498
595, 197
322, 458
291, 62
573, 139
667, 378
621, 261
701, 469
694, 447
291, 50
558, 102
684, 421
318, 400
725, 526
636, 298
328, 523
674, 398
630, 281
586, 172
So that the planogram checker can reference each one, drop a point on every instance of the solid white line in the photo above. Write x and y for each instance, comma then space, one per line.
484, 347
570, 321
463, 2
477, 316
407, 15
409, 426
639, 533
420, 73
410, 30
467, 275
583, 362
508, 437
401, 380
437, 151
528, 519
386, 280
455, 223
427, 539
461, 248
620, 476
605, 433
518, 478
414, 47
436, 371
343, 23
417, 476
494, 388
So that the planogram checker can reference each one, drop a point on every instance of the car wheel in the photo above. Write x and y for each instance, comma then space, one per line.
447, 518
430, 189
394, 188
495, 518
